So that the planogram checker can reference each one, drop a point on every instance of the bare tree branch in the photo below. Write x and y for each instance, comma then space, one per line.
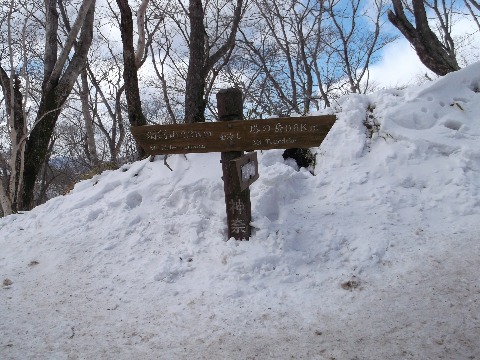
433, 54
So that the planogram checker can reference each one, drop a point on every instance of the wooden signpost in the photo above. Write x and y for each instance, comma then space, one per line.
231, 136
235, 135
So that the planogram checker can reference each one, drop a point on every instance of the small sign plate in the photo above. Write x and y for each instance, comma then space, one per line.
246, 168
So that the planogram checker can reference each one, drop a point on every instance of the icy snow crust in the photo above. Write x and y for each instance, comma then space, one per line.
374, 257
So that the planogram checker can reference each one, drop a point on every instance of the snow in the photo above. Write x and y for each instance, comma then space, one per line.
374, 257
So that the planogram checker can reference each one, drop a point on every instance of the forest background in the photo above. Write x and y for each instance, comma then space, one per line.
75, 75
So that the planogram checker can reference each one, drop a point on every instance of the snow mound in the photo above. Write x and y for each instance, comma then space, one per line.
380, 246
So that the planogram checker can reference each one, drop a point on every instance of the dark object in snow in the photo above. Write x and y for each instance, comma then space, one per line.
351, 284
303, 157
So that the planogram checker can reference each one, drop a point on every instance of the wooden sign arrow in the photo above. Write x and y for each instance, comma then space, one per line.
235, 135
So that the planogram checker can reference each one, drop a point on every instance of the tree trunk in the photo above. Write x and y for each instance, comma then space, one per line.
130, 76
37, 145
17, 124
201, 62
87, 117
431, 52
196, 79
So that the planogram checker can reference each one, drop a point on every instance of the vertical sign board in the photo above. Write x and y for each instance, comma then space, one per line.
246, 169
231, 136
237, 202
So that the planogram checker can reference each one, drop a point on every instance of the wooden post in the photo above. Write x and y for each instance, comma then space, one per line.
239, 212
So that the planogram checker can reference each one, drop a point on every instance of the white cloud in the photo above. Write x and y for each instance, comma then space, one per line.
399, 66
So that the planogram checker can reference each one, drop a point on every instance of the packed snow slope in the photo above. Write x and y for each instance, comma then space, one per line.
374, 257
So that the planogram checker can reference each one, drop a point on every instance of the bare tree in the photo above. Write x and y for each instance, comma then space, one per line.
438, 56
358, 38
110, 121
89, 124
10, 196
297, 56
60, 71
132, 61
203, 56
11, 181
106, 70
192, 47
106, 90
473, 7
84, 96
131, 64
277, 57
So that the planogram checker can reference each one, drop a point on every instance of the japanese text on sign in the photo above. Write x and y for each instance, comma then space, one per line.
236, 135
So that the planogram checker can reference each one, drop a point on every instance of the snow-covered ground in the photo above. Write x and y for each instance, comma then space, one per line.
375, 257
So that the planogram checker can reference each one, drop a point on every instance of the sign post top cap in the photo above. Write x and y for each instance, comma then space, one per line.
230, 104
230, 90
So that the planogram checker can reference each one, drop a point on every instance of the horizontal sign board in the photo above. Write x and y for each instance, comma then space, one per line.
236, 135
